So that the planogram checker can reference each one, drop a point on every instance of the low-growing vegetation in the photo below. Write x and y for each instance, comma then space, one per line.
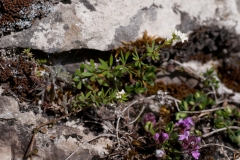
125, 84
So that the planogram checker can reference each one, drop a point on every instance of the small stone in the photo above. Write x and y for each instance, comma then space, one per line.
44, 130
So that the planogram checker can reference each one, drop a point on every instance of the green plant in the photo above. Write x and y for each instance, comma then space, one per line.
100, 83
225, 118
197, 101
210, 78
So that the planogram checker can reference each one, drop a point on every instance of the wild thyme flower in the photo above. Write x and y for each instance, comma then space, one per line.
161, 137
191, 146
182, 36
195, 154
184, 135
185, 125
149, 117
120, 94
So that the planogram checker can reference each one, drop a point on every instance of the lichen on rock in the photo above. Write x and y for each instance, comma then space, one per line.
20, 14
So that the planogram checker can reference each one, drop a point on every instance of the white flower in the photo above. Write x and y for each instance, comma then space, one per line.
42, 72
181, 35
119, 94
159, 153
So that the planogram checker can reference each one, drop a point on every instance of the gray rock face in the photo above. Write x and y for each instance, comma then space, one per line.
58, 142
76, 24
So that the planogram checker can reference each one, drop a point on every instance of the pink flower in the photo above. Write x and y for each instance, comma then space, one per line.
185, 124
195, 154
184, 136
160, 137
149, 117
191, 146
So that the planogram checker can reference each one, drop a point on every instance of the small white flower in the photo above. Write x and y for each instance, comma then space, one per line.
181, 35
159, 153
119, 94
39, 102
42, 72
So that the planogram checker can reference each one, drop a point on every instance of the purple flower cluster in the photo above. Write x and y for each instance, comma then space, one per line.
150, 118
185, 125
160, 137
191, 146
189, 143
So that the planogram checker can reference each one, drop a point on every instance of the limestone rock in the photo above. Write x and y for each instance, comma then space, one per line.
76, 24
58, 142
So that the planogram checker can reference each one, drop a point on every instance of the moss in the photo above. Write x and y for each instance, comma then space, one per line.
178, 91
18, 72
139, 46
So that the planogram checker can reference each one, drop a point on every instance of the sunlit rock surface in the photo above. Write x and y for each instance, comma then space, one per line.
76, 24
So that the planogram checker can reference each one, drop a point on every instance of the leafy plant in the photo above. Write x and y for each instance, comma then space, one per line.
210, 78
197, 101
99, 83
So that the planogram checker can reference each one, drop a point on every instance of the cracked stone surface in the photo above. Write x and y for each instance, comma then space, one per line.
101, 25
57, 142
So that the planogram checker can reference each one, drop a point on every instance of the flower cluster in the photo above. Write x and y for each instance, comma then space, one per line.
150, 118
120, 94
159, 137
182, 36
165, 140
189, 142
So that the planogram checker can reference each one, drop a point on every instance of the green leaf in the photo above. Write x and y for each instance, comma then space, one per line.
103, 62
148, 126
86, 74
93, 78
111, 61
78, 72
119, 67
169, 127
88, 67
153, 45
129, 88
198, 133
102, 82
135, 57
189, 98
79, 86
123, 59
180, 115
103, 67
149, 49
104, 73
88, 94
109, 75
140, 90
185, 105
76, 79
89, 87
92, 64
127, 55
197, 94
150, 82
82, 67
